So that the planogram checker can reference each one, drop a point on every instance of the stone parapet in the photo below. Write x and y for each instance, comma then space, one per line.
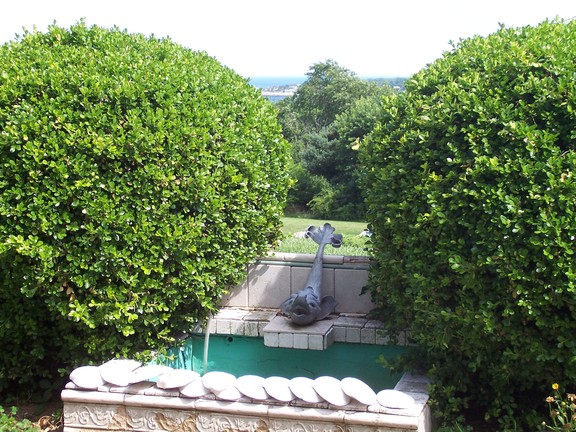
273, 278
167, 404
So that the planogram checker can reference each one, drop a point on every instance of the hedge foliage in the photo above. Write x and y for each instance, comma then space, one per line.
137, 179
472, 201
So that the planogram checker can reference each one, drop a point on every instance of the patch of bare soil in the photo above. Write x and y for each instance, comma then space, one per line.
46, 416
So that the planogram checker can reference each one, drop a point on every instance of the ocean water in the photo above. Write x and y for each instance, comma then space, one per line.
267, 82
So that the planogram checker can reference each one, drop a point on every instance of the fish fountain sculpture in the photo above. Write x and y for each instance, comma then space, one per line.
308, 305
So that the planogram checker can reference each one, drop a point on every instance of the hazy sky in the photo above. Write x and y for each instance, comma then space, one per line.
386, 38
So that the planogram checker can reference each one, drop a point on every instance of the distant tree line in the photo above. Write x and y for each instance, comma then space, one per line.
324, 121
395, 83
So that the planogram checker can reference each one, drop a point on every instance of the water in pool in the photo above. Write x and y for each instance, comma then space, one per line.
240, 355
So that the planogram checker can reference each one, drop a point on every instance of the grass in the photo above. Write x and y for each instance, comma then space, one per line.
352, 244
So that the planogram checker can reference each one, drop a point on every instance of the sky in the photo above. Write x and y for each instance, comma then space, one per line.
256, 38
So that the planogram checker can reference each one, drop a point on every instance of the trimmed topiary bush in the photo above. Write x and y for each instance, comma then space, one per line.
137, 179
472, 202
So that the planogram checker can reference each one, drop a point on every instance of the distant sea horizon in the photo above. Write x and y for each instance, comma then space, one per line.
265, 82
269, 82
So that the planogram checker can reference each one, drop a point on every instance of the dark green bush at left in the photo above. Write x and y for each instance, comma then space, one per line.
137, 179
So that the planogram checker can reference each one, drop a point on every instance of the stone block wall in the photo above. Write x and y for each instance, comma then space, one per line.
273, 279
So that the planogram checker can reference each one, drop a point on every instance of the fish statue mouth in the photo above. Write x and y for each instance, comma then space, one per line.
302, 320
300, 311
304, 307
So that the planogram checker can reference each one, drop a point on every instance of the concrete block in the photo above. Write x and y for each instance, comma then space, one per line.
368, 336
261, 326
316, 342
271, 340
286, 340
300, 277
237, 327
300, 341
347, 321
237, 296
339, 334
329, 338
282, 325
375, 324
232, 313
328, 283
348, 284
353, 335
251, 328
381, 338
268, 286
222, 326
261, 315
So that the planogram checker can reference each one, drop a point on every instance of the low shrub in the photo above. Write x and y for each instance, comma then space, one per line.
10, 423
470, 193
137, 179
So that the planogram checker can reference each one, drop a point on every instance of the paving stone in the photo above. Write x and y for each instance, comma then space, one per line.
271, 339
353, 335
251, 328
300, 341
286, 340
368, 336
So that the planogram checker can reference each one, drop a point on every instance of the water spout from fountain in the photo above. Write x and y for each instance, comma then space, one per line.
206, 344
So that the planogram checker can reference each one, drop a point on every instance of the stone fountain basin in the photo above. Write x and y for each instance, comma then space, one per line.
126, 396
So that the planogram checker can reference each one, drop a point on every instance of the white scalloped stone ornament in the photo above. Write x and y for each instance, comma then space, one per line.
395, 399
230, 394
148, 372
218, 381
124, 364
303, 388
176, 378
252, 386
329, 389
279, 388
195, 389
118, 371
359, 390
87, 377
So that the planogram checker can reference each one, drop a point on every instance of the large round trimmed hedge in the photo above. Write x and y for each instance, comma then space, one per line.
137, 179
472, 201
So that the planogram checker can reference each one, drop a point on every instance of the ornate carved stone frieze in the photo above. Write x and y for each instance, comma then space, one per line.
94, 416
230, 423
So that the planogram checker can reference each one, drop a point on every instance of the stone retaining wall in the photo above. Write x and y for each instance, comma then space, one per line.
272, 279
176, 403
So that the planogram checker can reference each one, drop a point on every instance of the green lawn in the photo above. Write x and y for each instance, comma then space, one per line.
352, 244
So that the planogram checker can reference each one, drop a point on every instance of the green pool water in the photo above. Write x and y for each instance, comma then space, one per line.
240, 355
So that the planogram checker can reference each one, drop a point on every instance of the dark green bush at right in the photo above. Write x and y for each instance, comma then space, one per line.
471, 196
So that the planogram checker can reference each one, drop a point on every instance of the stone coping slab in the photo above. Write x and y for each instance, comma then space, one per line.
309, 258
